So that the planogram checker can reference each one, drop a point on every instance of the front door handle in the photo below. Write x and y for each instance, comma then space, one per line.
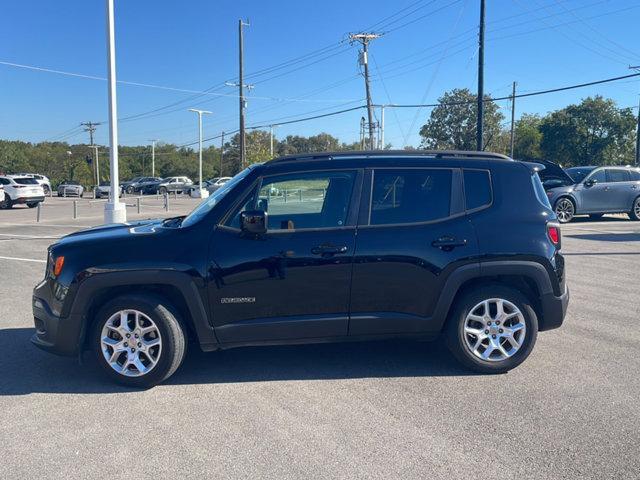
328, 250
448, 243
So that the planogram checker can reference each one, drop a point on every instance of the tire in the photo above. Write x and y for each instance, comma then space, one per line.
153, 313
162, 190
81, 195
634, 213
46, 189
32, 204
596, 216
565, 209
6, 204
460, 342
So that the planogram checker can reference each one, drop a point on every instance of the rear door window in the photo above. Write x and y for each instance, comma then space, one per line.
617, 175
410, 196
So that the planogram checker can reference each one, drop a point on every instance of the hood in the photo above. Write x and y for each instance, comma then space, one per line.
112, 232
553, 176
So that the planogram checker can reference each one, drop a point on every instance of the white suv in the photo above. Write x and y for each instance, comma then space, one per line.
41, 179
20, 189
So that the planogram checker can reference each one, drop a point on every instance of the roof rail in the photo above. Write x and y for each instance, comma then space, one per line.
388, 153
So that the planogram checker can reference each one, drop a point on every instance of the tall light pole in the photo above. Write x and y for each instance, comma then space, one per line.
513, 120
95, 147
201, 192
114, 211
153, 157
221, 153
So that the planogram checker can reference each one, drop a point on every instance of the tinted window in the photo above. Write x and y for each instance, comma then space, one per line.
539, 190
409, 196
477, 188
614, 175
301, 200
599, 176
635, 175
578, 174
4, 181
26, 181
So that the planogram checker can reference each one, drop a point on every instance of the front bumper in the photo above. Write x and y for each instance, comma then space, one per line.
554, 310
54, 333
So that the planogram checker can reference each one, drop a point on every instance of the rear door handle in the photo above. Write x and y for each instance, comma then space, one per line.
448, 243
328, 250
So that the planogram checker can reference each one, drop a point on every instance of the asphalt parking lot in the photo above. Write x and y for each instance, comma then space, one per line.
377, 410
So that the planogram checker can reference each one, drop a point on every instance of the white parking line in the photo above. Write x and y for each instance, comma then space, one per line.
23, 259
36, 237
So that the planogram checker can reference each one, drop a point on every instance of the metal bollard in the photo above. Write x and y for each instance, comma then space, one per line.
285, 195
38, 212
300, 194
166, 202
75, 209
138, 204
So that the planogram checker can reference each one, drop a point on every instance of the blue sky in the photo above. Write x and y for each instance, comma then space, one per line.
429, 47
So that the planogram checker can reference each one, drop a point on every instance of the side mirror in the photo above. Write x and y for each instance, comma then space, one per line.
590, 183
253, 222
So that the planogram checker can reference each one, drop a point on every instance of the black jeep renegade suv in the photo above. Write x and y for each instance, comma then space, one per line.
316, 248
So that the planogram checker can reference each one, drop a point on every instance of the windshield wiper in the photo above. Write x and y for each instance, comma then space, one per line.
173, 221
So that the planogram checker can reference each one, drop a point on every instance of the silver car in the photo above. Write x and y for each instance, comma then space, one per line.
596, 191
70, 188
103, 190
175, 184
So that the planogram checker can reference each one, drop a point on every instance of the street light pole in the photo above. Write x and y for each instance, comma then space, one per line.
114, 211
97, 165
153, 157
200, 193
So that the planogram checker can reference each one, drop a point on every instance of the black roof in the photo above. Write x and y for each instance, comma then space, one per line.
390, 153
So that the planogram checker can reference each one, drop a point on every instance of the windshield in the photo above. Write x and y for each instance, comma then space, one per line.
205, 207
26, 181
578, 174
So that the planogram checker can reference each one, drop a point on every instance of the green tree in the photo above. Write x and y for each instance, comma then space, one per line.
594, 132
528, 137
452, 124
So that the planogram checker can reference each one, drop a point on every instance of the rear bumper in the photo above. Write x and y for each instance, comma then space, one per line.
554, 310
37, 199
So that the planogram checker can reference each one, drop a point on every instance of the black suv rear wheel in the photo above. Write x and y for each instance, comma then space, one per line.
138, 340
492, 329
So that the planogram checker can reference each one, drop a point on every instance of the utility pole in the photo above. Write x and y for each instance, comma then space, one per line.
480, 126
381, 144
513, 119
364, 39
241, 86
201, 192
271, 127
91, 128
97, 165
153, 157
637, 68
114, 211
221, 153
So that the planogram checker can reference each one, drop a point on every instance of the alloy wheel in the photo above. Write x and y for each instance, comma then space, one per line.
494, 330
565, 210
636, 207
131, 343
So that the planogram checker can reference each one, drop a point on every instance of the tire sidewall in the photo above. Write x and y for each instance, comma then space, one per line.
173, 341
632, 213
455, 328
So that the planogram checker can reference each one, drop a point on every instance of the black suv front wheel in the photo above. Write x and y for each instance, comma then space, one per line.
138, 340
492, 329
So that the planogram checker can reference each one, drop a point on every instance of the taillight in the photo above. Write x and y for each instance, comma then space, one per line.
57, 268
554, 234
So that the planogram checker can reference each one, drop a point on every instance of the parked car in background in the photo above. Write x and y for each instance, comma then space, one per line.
440, 254
41, 179
140, 184
103, 190
595, 191
175, 184
216, 183
128, 186
70, 188
196, 185
21, 190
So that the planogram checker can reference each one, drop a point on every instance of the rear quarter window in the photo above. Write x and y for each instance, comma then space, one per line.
541, 195
477, 188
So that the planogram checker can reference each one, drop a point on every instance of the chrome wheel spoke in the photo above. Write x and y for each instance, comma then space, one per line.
496, 336
119, 342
